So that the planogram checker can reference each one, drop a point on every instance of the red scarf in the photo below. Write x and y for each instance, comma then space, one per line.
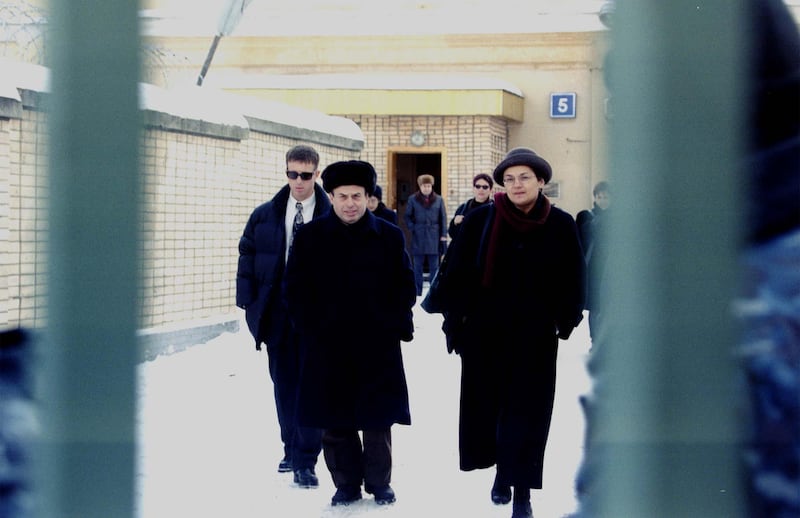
509, 220
426, 201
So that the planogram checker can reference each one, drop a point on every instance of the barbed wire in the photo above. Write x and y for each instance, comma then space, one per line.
24, 32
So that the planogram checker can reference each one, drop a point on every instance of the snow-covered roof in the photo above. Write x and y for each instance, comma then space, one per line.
203, 104
230, 111
17, 75
190, 103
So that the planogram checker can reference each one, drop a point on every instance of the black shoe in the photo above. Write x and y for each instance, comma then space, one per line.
522, 510
285, 466
501, 495
346, 496
383, 495
306, 477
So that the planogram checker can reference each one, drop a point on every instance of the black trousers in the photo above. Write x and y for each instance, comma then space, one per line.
352, 463
301, 444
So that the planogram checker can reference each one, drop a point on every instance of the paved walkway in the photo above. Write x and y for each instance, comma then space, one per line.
209, 443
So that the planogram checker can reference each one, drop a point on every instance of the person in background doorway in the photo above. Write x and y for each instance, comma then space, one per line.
482, 185
426, 220
376, 205
263, 251
353, 377
516, 284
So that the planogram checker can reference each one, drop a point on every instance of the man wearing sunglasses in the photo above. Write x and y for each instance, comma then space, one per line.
263, 250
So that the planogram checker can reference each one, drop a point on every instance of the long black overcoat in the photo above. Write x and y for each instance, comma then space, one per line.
507, 338
349, 292
384, 212
262, 249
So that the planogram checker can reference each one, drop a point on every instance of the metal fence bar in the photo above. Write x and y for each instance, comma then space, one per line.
87, 451
666, 437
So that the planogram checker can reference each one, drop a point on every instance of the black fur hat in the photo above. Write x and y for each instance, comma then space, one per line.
350, 172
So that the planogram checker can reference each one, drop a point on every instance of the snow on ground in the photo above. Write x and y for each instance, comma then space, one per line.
209, 443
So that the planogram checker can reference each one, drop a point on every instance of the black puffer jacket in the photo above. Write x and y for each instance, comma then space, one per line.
262, 249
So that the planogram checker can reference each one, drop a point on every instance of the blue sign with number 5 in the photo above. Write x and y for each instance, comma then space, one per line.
562, 105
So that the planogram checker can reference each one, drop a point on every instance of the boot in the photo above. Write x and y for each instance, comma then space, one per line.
522, 503
501, 493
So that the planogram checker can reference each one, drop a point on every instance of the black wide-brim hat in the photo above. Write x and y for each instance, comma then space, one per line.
350, 172
523, 156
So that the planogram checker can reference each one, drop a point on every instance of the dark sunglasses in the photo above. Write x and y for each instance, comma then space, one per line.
294, 174
484, 187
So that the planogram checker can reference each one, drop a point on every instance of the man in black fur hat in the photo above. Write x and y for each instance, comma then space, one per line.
352, 376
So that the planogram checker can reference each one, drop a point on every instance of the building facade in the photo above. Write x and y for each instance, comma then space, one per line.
447, 99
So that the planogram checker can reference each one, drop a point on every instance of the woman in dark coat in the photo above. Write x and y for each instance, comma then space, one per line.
515, 284
482, 185
350, 292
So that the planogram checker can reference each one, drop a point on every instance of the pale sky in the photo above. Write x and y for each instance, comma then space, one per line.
305, 17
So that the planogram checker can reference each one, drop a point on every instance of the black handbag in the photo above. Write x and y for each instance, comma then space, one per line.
434, 301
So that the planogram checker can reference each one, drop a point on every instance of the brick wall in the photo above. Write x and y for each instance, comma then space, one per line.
6, 262
22, 159
200, 181
473, 144
197, 195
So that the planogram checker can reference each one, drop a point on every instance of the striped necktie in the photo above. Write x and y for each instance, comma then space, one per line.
298, 218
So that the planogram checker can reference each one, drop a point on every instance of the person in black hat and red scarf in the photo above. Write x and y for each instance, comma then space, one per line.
352, 378
517, 265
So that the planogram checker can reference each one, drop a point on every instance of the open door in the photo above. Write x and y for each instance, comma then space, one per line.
403, 169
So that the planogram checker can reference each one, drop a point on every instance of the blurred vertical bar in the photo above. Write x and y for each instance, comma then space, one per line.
87, 453
667, 436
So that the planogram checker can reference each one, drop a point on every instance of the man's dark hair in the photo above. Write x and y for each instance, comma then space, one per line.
601, 187
302, 153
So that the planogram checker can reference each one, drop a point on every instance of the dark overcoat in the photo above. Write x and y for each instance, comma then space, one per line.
262, 252
384, 212
462, 210
507, 336
427, 225
350, 292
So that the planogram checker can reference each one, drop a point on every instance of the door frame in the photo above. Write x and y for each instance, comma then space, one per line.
391, 172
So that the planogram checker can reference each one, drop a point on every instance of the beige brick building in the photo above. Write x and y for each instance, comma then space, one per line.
438, 87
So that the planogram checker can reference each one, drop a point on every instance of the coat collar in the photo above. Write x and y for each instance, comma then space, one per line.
368, 223
323, 204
